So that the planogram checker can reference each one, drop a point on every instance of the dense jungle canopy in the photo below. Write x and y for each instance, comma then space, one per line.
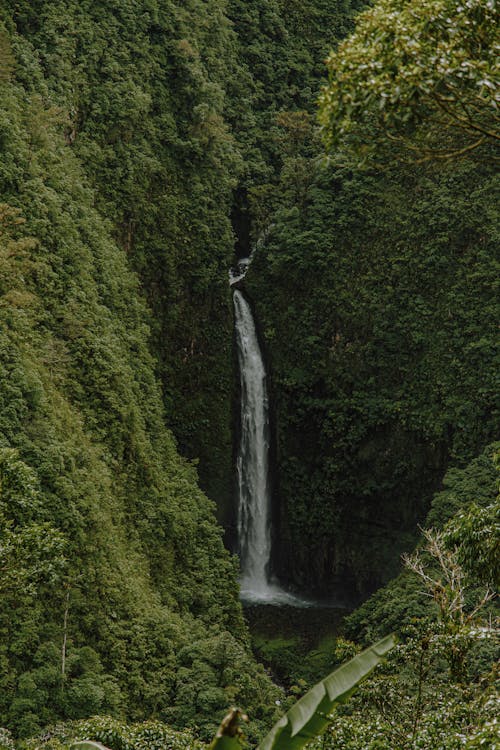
145, 147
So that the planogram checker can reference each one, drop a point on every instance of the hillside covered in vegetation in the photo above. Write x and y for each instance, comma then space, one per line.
145, 146
115, 580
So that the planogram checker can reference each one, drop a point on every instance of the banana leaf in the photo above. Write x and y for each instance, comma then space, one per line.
308, 718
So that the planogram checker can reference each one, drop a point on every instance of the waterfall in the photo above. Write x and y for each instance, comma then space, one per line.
254, 490
254, 496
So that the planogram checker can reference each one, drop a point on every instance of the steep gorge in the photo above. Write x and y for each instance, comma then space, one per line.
136, 139
184, 116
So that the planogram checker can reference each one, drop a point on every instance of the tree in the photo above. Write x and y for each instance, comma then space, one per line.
474, 535
423, 75
448, 588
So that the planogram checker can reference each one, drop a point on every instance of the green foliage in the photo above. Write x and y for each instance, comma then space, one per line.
438, 688
128, 133
150, 735
282, 654
458, 605
309, 717
45, 693
217, 672
474, 532
225, 743
280, 51
229, 733
140, 97
477, 534
406, 67
115, 735
295, 663
6, 740
141, 102
171, 112
298, 646
475, 483
450, 722
7, 60
431, 692
486, 734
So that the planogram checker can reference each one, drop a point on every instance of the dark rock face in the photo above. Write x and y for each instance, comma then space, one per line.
361, 537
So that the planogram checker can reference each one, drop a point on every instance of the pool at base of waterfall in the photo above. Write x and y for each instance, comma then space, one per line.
270, 593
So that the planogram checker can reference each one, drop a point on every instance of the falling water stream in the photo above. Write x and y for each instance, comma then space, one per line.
253, 479
254, 506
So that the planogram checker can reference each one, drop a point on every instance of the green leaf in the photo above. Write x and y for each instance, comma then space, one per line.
88, 745
309, 717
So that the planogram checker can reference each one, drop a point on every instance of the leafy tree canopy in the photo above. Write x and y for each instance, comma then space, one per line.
408, 63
